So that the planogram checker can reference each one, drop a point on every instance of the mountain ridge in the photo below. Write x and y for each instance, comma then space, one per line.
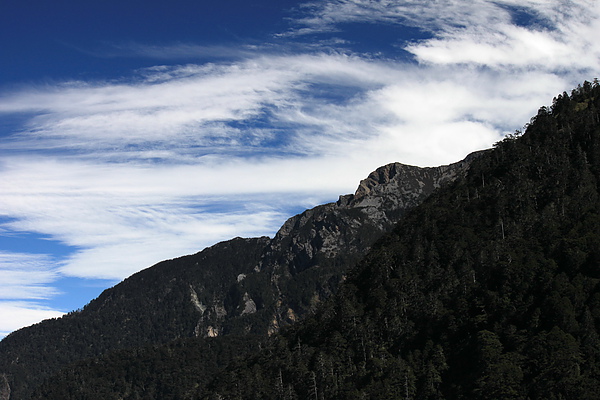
490, 288
237, 287
487, 288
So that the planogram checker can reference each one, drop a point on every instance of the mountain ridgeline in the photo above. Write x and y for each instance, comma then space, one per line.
239, 288
488, 288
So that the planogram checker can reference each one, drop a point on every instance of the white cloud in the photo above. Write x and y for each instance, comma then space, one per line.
26, 276
328, 15
17, 314
567, 45
561, 34
147, 111
25, 280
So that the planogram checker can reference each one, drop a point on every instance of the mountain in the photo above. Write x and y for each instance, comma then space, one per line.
490, 289
242, 287
486, 288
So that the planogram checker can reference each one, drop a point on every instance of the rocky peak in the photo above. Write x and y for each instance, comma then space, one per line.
381, 176
310, 254
395, 178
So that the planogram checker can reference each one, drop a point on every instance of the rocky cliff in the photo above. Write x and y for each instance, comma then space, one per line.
310, 254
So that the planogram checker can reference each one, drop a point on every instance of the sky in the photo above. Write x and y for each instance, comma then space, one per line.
137, 131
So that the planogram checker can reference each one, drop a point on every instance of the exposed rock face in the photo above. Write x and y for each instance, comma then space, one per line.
4, 388
242, 286
306, 260
249, 305
311, 252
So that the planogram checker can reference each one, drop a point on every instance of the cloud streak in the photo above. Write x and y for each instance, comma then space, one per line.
25, 276
25, 280
177, 51
562, 40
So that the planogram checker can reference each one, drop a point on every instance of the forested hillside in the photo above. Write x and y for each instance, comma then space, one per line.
488, 290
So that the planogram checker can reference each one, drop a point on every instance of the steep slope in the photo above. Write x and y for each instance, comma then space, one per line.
312, 251
156, 305
489, 289
238, 287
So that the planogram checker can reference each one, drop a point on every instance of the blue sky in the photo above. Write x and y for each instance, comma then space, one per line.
137, 131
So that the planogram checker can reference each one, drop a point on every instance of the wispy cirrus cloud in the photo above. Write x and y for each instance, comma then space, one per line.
561, 40
176, 51
25, 281
326, 16
25, 276
443, 15
507, 33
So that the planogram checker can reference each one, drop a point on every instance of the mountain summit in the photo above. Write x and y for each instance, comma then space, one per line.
238, 287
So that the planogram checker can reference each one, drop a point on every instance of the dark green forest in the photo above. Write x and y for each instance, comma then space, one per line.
151, 307
488, 290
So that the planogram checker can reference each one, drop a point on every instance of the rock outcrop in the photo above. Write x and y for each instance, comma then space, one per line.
4, 388
310, 254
